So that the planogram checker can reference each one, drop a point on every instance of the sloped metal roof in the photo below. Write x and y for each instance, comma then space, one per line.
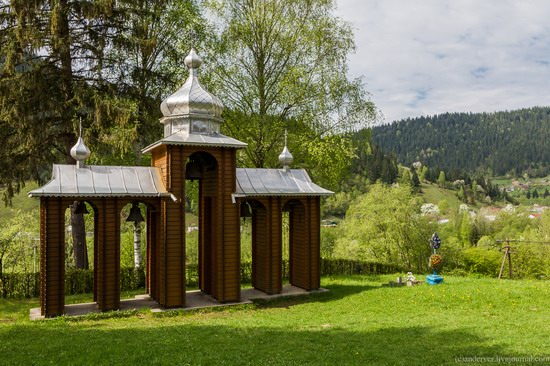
192, 139
276, 182
103, 181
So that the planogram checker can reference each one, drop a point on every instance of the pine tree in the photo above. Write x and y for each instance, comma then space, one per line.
414, 178
91, 60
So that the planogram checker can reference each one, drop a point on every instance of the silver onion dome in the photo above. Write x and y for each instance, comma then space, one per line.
80, 152
191, 109
286, 158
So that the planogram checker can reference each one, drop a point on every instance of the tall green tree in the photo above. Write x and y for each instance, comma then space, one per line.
104, 62
281, 64
150, 48
385, 225
54, 73
441, 181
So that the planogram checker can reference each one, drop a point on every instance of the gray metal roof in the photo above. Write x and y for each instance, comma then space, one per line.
103, 181
182, 138
276, 182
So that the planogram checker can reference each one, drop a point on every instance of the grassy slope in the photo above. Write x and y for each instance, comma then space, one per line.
358, 322
434, 194
20, 202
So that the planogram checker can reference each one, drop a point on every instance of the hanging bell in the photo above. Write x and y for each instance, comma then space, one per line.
81, 208
193, 170
135, 214
245, 210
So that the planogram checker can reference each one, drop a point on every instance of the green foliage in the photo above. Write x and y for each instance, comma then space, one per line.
282, 65
466, 228
106, 63
19, 243
328, 158
482, 261
329, 236
443, 206
385, 226
77, 281
509, 142
441, 180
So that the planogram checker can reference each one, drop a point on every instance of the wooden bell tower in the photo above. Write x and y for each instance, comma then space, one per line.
194, 149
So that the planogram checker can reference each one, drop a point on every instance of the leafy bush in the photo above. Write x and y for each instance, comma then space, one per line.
80, 281
482, 261
385, 226
19, 285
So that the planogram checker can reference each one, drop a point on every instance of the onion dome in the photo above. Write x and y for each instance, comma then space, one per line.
191, 108
285, 158
80, 151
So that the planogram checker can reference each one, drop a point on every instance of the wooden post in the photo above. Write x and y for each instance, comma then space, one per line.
507, 255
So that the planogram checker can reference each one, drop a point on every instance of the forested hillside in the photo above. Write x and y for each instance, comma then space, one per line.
512, 142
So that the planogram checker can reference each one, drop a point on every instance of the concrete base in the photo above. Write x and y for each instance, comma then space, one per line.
434, 279
195, 300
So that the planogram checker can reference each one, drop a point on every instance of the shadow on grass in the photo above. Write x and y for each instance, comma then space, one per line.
185, 344
336, 292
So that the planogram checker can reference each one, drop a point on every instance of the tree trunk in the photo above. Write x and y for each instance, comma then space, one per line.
78, 230
137, 245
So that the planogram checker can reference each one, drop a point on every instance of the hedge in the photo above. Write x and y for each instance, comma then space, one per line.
27, 285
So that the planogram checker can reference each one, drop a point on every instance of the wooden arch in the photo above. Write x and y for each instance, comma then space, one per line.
304, 240
106, 249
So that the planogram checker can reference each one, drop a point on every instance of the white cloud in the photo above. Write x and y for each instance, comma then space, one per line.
423, 57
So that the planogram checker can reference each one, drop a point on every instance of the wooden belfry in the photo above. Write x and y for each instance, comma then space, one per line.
192, 149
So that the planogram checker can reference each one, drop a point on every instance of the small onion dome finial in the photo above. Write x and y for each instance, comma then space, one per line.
285, 158
80, 151
192, 60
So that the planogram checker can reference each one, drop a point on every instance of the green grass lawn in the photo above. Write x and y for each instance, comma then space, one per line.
358, 322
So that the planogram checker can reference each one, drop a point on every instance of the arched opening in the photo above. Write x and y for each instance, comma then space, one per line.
260, 236
80, 218
192, 227
203, 167
254, 243
133, 246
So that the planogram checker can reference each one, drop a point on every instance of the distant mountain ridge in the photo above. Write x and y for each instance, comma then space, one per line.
511, 142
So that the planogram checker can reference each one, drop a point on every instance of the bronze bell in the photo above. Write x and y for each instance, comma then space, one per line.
135, 213
193, 170
245, 210
81, 208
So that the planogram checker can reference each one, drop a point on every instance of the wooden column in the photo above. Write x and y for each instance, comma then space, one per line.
167, 279
108, 255
313, 211
172, 292
305, 242
52, 257
152, 239
226, 246
267, 246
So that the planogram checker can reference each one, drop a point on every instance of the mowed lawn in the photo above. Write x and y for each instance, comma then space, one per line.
358, 322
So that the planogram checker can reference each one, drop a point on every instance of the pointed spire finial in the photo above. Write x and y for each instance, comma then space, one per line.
80, 151
286, 157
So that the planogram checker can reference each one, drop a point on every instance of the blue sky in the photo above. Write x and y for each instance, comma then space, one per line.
424, 57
